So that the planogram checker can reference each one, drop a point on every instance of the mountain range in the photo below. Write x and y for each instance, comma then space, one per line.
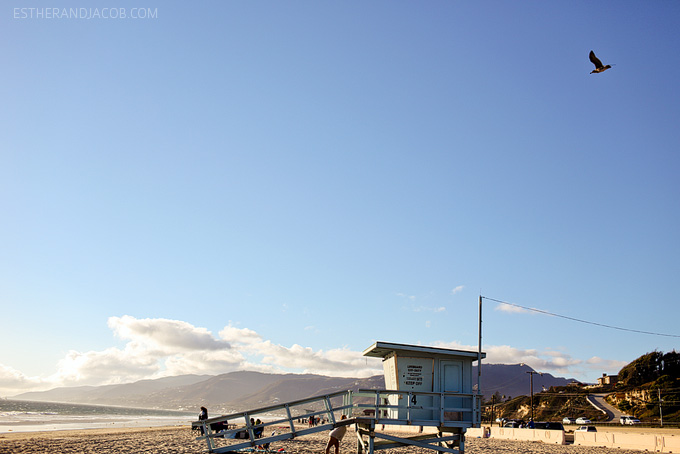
239, 391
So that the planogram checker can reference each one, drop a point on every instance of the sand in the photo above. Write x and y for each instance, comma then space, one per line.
180, 440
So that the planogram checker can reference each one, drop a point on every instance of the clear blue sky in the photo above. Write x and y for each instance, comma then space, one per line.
275, 185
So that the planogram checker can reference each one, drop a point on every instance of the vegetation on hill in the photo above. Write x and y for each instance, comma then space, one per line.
551, 405
642, 383
650, 368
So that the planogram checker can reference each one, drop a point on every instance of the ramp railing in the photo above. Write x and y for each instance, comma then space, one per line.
366, 408
236, 431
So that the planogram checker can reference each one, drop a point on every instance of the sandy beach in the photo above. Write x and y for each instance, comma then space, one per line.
181, 440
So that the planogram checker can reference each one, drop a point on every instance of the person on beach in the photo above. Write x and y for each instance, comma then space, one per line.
202, 416
335, 437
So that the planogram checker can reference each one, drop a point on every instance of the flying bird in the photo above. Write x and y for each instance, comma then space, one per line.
599, 67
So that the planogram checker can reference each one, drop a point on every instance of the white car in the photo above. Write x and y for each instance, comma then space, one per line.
569, 421
628, 420
586, 429
583, 421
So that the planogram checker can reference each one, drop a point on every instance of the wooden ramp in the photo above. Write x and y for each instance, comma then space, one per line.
373, 413
223, 434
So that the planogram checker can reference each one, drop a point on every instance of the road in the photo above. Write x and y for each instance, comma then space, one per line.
597, 401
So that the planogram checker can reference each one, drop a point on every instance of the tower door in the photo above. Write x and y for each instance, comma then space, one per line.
451, 381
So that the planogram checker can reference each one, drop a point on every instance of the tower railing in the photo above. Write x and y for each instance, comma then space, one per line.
447, 411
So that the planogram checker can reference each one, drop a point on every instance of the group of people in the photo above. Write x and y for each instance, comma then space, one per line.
315, 421
257, 431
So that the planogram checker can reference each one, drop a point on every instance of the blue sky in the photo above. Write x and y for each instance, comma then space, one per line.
276, 185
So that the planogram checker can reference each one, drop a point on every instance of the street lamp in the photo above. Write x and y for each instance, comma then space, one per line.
531, 381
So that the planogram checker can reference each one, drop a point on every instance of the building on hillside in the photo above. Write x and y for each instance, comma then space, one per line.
607, 380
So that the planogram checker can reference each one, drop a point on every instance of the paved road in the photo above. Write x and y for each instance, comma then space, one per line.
597, 401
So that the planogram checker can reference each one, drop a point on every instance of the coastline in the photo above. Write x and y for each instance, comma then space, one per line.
66, 433
69, 425
38, 416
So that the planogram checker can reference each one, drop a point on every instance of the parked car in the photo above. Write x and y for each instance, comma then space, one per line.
512, 424
628, 420
583, 421
569, 421
586, 429
549, 425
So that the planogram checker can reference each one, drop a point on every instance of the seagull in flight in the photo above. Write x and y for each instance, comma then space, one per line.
599, 67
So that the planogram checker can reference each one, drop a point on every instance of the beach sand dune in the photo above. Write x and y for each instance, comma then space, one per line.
181, 440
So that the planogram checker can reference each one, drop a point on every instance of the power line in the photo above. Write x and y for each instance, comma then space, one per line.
579, 320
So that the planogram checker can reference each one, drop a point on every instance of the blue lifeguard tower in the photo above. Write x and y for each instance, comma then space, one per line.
428, 396
427, 387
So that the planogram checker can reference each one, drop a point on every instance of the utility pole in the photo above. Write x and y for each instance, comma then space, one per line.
479, 351
531, 384
479, 363
660, 410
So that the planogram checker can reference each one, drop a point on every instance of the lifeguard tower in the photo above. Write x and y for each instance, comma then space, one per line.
429, 398
427, 387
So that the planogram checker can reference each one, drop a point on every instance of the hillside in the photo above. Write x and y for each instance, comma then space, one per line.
121, 394
548, 406
227, 392
649, 387
512, 380
247, 390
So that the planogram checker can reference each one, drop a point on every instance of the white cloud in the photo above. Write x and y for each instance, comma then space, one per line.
608, 366
109, 366
428, 309
337, 362
503, 307
409, 297
170, 335
204, 362
239, 335
594, 360
547, 360
457, 289
13, 381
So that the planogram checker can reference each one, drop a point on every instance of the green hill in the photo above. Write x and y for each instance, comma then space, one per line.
643, 382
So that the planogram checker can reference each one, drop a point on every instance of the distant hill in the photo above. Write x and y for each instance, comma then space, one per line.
233, 391
123, 394
236, 391
512, 380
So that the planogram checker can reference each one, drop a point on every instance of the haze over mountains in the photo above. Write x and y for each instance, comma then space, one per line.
238, 391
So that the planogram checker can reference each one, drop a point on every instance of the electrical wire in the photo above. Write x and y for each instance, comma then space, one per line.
579, 320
